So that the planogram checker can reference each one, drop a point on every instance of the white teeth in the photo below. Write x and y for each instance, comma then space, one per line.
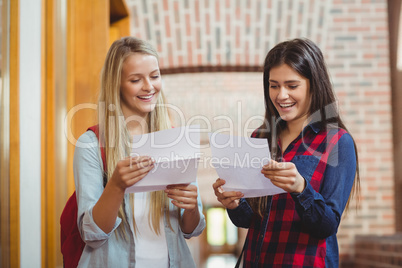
286, 105
146, 97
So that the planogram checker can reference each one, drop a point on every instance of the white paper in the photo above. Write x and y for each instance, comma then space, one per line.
239, 160
176, 153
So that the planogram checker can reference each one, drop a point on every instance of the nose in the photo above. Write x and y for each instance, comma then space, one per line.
147, 86
283, 93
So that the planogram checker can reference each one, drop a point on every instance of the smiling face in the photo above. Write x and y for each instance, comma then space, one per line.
140, 84
290, 94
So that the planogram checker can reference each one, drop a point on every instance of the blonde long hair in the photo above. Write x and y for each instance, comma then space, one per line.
113, 133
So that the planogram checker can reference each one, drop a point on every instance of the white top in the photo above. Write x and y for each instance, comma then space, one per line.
150, 249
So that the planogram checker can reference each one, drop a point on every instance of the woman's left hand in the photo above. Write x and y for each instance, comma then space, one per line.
285, 176
184, 195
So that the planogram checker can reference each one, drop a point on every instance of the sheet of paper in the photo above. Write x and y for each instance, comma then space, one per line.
176, 153
239, 160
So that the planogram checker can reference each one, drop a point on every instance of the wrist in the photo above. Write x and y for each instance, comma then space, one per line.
302, 185
191, 211
115, 187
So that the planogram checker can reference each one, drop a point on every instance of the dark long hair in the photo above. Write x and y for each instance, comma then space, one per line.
303, 56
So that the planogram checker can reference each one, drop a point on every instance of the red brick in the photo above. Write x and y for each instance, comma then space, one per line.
376, 93
197, 10
218, 59
344, 19
359, 29
217, 11
190, 52
199, 59
228, 23
237, 37
167, 27
188, 25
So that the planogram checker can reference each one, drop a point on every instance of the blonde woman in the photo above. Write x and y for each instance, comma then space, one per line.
131, 230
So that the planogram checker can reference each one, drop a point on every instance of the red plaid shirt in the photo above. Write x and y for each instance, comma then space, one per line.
299, 230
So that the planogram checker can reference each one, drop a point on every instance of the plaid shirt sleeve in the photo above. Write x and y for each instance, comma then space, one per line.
321, 212
241, 216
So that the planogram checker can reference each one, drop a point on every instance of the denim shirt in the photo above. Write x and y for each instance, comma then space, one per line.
111, 249
318, 211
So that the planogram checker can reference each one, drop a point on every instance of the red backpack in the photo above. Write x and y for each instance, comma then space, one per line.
71, 242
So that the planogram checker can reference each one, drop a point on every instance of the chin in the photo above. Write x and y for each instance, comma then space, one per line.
149, 109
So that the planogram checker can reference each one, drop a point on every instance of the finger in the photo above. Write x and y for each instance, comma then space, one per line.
130, 161
280, 172
218, 190
135, 179
281, 180
183, 199
220, 193
177, 194
273, 165
139, 172
189, 190
140, 165
231, 194
182, 187
231, 199
183, 205
219, 182
141, 161
135, 159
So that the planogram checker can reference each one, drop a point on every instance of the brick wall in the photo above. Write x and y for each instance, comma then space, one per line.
378, 251
357, 54
224, 32
353, 35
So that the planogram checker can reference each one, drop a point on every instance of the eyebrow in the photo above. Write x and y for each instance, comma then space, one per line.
286, 82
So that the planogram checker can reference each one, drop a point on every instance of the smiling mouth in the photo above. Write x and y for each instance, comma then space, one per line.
287, 105
147, 97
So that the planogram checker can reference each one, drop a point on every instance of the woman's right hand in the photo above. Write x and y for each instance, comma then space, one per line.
130, 170
229, 200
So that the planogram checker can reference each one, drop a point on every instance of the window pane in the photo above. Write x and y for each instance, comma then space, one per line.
216, 226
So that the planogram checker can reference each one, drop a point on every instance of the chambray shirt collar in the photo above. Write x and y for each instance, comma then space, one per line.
313, 126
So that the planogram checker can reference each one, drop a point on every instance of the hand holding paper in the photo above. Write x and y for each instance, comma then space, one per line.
175, 153
240, 161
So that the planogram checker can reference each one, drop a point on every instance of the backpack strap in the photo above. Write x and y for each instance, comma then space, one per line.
95, 129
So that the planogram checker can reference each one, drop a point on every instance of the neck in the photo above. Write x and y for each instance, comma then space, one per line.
295, 127
137, 127
136, 124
